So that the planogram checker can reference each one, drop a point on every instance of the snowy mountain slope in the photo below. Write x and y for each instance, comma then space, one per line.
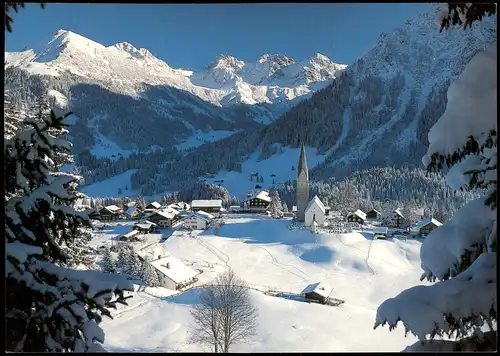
377, 112
266, 254
229, 95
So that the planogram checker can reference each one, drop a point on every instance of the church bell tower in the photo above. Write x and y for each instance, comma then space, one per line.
302, 185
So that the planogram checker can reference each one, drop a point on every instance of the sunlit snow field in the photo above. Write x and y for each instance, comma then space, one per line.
266, 254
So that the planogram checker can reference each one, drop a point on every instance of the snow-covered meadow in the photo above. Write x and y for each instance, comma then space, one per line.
268, 255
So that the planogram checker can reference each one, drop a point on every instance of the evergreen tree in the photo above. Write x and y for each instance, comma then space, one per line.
107, 263
275, 206
461, 255
464, 14
149, 275
49, 308
124, 253
133, 265
285, 208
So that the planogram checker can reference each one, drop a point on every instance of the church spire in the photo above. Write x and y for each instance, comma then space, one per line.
302, 161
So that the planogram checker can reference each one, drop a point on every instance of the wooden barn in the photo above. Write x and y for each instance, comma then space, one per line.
358, 216
427, 225
110, 212
373, 214
319, 292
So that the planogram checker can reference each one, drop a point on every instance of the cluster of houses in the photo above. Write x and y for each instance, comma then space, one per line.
198, 215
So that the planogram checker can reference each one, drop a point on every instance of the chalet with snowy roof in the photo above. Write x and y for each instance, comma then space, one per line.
317, 291
164, 217
258, 202
133, 235
358, 216
398, 220
209, 205
427, 225
152, 206
173, 274
110, 212
153, 252
315, 211
198, 220
373, 214
133, 212
145, 227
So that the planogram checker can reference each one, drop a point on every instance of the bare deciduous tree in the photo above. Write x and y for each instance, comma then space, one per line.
225, 314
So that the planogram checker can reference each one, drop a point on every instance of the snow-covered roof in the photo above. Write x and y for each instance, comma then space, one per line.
167, 213
113, 208
380, 230
360, 214
262, 195
155, 205
213, 203
151, 252
294, 208
427, 221
316, 201
131, 233
398, 212
176, 271
145, 224
319, 288
204, 215
374, 210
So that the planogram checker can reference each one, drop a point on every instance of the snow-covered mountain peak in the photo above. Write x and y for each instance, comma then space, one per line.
277, 58
67, 41
130, 49
228, 62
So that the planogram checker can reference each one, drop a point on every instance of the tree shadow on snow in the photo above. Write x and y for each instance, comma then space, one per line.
320, 254
260, 231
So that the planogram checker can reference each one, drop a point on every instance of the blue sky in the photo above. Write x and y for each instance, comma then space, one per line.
191, 36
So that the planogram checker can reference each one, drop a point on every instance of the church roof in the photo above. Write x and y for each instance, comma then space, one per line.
302, 161
318, 202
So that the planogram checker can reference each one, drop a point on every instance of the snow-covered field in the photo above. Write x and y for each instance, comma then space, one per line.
279, 164
266, 254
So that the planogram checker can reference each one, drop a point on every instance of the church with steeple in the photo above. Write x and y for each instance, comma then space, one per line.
302, 186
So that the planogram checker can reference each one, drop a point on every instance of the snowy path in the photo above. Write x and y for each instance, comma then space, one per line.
368, 256
212, 249
275, 261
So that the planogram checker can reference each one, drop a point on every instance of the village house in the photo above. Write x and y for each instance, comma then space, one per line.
373, 214
199, 220
358, 216
165, 217
145, 227
426, 226
110, 212
398, 220
209, 206
315, 211
153, 206
131, 236
173, 274
133, 212
258, 202
153, 252
319, 292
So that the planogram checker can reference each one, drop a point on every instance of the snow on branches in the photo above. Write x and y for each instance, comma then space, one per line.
49, 307
461, 254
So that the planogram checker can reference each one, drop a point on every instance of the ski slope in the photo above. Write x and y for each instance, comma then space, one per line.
279, 164
266, 254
